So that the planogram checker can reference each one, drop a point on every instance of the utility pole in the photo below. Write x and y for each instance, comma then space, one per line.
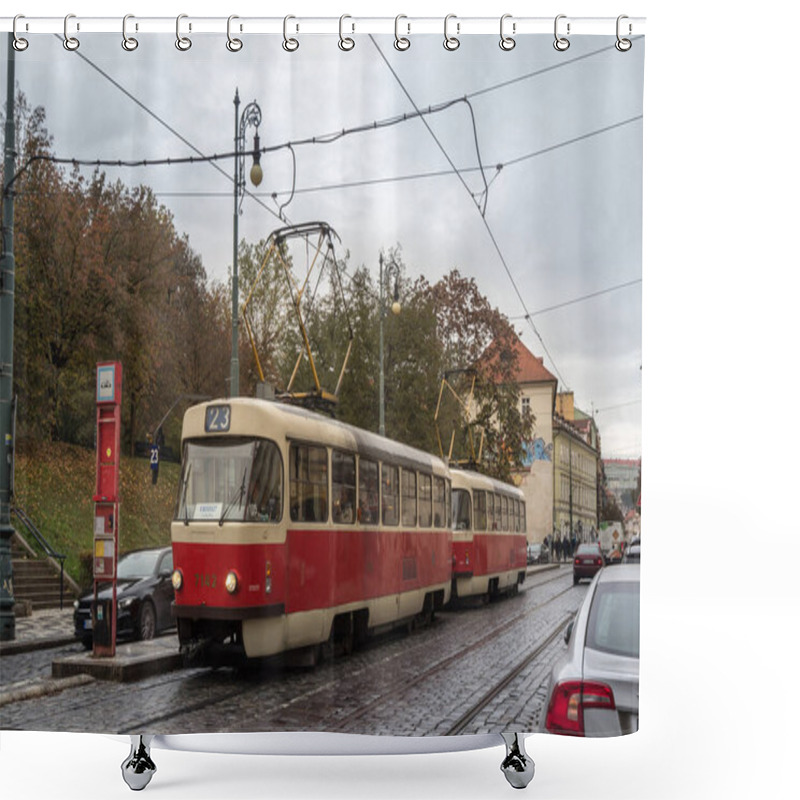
7, 622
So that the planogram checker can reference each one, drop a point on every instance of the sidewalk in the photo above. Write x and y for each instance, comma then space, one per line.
47, 628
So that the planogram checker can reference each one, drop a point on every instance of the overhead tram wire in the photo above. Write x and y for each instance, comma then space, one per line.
332, 137
483, 217
166, 125
581, 299
419, 175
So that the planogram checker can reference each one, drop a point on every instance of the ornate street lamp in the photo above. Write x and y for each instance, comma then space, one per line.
391, 269
250, 116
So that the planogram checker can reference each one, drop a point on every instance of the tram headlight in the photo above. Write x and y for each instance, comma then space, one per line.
177, 580
268, 578
231, 582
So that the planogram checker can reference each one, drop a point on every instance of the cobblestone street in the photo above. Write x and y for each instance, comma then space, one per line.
418, 684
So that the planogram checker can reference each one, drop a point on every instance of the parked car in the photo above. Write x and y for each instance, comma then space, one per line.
538, 553
587, 561
594, 688
144, 597
633, 554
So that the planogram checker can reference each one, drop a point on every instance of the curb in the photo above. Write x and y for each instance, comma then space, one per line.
15, 648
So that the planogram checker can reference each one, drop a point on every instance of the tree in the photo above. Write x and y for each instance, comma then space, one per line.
265, 299
478, 339
101, 274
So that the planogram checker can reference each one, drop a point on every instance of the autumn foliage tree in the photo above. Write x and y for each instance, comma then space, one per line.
102, 274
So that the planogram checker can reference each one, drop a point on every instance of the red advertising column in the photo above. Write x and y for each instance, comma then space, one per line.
106, 506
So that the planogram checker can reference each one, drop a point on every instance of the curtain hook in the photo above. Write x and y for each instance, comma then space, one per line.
623, 45
233, 44
507, 42
451, 42
183, 43
70, 42
128, 42
401, 42
345, 42
289, 45
20, 44
561, 43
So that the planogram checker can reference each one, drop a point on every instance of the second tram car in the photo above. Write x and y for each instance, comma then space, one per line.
489, 540
292, 530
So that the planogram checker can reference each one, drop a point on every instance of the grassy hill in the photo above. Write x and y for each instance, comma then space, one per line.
55, 483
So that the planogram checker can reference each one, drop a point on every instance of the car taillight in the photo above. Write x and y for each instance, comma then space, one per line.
599, 562
568, 701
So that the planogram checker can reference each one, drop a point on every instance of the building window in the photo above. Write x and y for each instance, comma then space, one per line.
526, 404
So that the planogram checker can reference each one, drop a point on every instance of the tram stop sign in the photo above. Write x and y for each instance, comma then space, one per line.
106, 500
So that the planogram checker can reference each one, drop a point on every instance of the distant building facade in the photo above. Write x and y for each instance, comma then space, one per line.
576, 469
623, 481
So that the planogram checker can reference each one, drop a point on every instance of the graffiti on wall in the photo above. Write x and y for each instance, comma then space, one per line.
536, 450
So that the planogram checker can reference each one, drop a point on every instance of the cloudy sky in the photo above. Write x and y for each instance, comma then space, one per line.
556, 138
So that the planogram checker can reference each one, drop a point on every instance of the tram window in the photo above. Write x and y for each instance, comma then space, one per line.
491, 520
479, 499
390, 494
367, 491
448, 510
462, 510
514, 512
439, 517
266, 487
523, 524
504, 508
308, 483
409, 498
425, 511
215, 479
343, 487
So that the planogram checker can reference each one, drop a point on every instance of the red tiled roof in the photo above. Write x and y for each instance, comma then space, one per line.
530, 369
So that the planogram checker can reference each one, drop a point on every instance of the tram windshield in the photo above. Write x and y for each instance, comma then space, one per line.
462, 510
226, 480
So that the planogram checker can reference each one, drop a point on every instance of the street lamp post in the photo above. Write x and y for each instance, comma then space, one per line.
7, 621
250, 116
391, 268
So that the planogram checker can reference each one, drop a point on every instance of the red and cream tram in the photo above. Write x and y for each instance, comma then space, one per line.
489, 542
293, 530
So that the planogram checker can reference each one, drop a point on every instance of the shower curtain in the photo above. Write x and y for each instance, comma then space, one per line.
447, 205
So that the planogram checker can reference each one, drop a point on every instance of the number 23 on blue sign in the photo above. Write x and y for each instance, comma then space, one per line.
218, 419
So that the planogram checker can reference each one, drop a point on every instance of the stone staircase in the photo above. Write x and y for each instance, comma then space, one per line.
37, 582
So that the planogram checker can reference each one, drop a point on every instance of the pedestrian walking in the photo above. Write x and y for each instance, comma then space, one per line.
557, 547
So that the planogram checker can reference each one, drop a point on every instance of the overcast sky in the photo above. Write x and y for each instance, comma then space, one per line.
563, 222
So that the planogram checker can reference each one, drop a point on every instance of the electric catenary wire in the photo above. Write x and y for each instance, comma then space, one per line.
492, 237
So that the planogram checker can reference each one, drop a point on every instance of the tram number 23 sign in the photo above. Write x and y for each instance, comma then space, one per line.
218, 419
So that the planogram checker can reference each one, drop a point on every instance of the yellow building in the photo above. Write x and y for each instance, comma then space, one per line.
575, 466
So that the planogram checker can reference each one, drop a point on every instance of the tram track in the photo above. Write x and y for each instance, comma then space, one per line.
439, 667
470, 714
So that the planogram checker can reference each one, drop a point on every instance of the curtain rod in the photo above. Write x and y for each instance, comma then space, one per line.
347, 25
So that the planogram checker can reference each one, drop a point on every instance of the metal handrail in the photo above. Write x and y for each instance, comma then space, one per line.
44, 544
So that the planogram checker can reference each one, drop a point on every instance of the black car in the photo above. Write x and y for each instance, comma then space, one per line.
144, 597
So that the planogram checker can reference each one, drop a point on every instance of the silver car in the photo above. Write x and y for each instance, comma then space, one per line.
594, 688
